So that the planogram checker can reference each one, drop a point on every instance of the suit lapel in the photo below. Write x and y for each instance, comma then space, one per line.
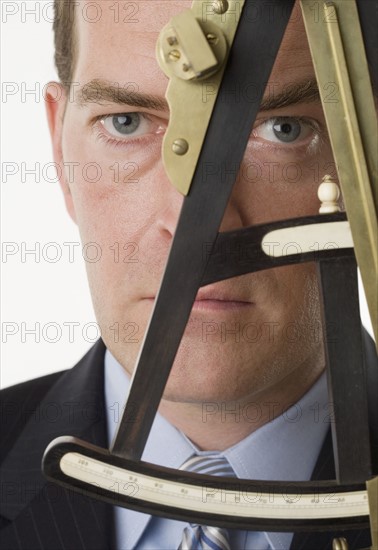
42, 514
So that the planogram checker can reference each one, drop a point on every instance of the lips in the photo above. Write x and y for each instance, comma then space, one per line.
216, 299
214, 295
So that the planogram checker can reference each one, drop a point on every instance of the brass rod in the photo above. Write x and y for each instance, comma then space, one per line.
339, 58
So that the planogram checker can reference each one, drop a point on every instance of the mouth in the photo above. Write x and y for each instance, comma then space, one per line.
211, 304
216, 300
211, 300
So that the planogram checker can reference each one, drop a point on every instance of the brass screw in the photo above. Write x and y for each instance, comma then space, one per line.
180, 146
174, 55
220, 6
340, 544
212, 38
172, 40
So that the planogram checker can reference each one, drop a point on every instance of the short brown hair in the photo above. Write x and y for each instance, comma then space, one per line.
64, 40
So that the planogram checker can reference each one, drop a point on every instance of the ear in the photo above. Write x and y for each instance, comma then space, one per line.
55, 103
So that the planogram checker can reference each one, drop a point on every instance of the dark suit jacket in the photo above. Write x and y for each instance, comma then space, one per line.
37, 514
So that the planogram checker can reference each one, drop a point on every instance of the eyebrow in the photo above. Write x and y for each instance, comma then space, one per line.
292, 94
102, 91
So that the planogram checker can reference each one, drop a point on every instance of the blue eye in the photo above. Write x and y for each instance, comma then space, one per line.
128, 128
286, 130
126, 124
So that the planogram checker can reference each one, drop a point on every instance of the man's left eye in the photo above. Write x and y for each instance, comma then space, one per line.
283, 130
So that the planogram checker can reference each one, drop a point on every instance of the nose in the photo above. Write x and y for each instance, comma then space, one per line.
237, 212
233, 215
170, 203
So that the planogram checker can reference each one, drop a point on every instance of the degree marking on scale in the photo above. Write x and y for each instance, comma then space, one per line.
308, 506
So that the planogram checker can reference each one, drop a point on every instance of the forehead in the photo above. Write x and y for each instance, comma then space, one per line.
116, 41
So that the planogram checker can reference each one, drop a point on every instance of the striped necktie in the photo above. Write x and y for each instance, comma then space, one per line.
202, 537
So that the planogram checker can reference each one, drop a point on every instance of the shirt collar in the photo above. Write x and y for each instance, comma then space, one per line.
296, 446
298, 434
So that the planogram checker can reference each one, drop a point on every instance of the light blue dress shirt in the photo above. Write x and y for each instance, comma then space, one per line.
284, 449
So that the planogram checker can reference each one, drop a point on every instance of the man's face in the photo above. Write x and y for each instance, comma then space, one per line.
254, 334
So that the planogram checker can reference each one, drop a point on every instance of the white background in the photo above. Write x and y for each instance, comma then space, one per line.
33, 212
37, 293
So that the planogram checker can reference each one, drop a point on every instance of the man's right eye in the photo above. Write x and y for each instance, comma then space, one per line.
127, 128
125, 124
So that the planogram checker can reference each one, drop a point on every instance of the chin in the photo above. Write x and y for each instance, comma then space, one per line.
192, 390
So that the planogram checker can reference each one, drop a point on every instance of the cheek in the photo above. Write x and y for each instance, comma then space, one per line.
279, 187
116, 197
300, 300
113, 190
287, 294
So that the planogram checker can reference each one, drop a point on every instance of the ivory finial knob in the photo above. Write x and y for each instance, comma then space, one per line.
329, 194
